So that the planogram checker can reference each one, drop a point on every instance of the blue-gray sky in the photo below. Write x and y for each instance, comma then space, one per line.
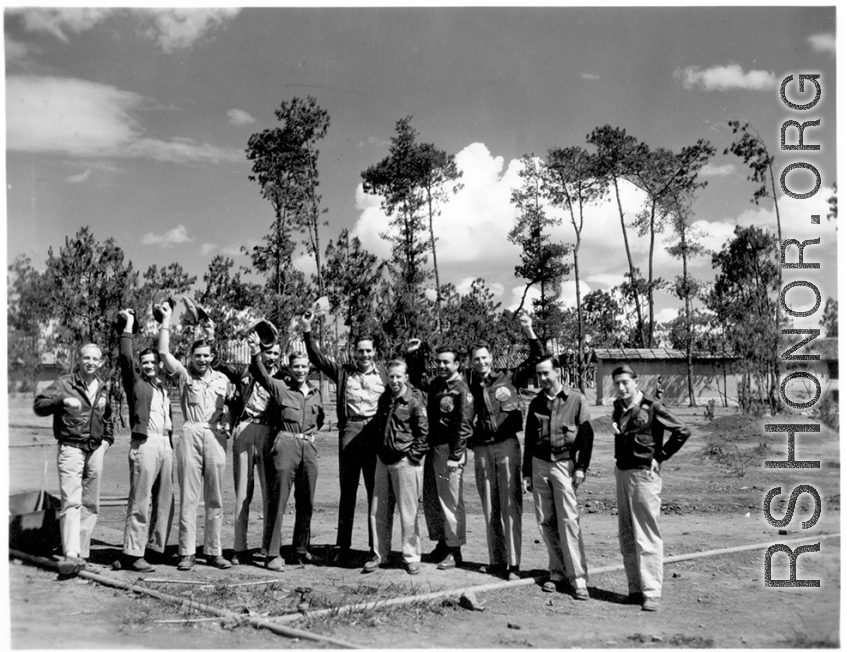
135, 121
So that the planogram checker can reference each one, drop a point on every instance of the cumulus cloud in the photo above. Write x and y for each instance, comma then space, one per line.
176, 235
239, 117
822, 43
710, 170
207, 247
666, 315
171, 28
725, 78
79, 178
79, 118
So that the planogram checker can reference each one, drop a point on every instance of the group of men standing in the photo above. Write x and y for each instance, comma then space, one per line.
406, 432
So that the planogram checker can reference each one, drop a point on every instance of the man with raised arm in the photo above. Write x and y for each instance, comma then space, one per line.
252, 437
358, 386
497, 452
557, 451
451, 411
639, 422
150, 453
402, 425
82, 423
296, 417
199, 446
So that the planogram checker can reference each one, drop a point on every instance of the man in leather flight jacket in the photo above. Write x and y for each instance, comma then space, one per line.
497, 452
639, 423
82, 423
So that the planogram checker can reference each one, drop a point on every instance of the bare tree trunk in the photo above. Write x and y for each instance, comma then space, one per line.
580, 367
651, 316
631, 266
434, 264
776, 402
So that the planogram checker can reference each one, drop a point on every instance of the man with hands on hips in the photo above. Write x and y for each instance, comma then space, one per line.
557, 451
82, 423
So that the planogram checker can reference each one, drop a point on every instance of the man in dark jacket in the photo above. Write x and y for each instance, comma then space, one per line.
497, 452
295, 418
402, 426
639, 423
82, 423
451, 411
557, 451
150, 453
358, 388
252, 438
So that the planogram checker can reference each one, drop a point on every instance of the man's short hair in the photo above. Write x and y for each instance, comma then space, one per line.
295, 355
90, 345
552, 359
479, 344
397, 363
362, 337
448, 349
199, 344
148, 351
624, 369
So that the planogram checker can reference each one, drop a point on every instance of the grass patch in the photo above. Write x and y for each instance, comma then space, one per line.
801, 639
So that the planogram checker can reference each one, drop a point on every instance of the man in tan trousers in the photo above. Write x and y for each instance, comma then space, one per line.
199, 447
639, 422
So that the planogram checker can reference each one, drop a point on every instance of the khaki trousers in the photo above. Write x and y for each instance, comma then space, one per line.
79, 488
558, 519
150, 509
248, 444
498, 479
294, 462
443, 499
639, 506
200, 461
396, 484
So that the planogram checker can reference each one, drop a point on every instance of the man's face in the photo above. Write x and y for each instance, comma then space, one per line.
481, 361
446, 365
364, 355
270, 358
397, 379
299, 368
548, 377
90, 360
149, 365
201, 358
626, 386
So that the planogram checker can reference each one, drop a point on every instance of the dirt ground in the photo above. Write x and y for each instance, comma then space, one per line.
716, 601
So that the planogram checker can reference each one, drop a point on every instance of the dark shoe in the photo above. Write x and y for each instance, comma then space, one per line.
635, 598
452, 560
218, 561
413, 568
140, 565
275, 564
371, 565
341, 557
240, 557
303, 558
580, 593
650, 604
498, 570
514, 574
549, 586
186, 563
439, 552
71, 566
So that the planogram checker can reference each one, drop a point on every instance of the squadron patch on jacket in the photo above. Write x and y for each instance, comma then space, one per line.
446, 403
502, 394
469, 398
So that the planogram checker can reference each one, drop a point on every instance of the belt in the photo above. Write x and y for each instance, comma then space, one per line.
300, 435
261, 419
359, 417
